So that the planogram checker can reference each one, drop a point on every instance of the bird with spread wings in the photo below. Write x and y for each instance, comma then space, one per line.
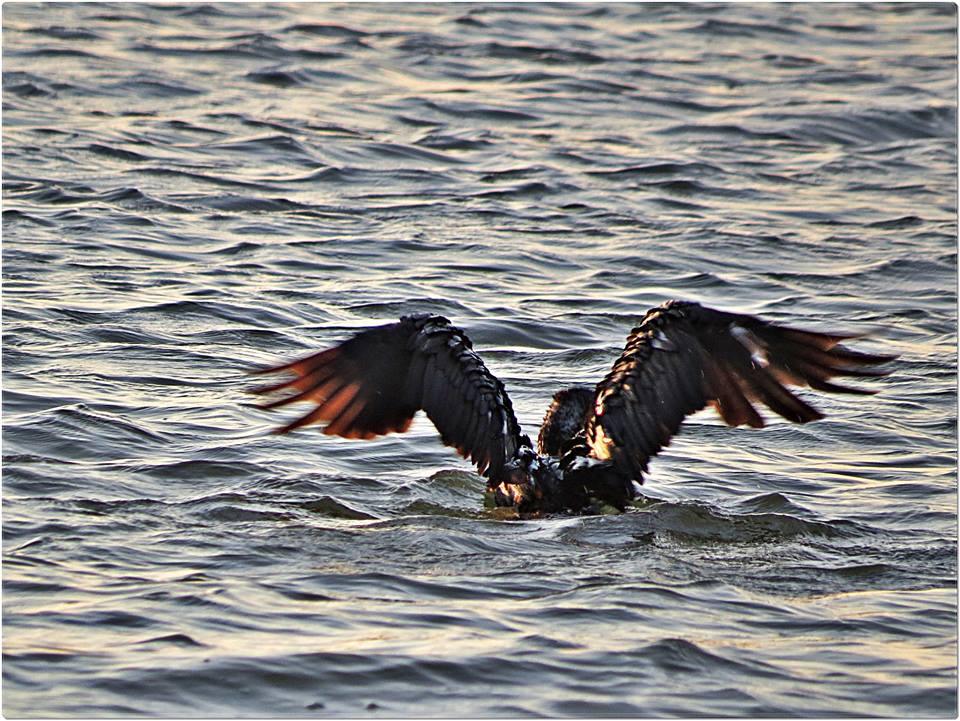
596, 443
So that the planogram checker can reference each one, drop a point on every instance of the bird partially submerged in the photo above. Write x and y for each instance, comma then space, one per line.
594, 442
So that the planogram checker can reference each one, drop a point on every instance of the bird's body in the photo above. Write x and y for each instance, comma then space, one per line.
595, 443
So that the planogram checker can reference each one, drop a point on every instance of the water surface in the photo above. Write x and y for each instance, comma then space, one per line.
193, 190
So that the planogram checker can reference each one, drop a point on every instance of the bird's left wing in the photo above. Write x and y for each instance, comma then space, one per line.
375, 382
684, 356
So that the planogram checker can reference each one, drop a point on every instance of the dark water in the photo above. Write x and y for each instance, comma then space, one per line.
192, 190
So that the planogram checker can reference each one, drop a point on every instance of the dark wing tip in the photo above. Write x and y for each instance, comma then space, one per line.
262, 371
311, 417
264, 390
302, 365
860, 358
828, 387
807, 416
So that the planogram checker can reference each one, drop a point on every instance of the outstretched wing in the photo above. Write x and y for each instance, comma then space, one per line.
684, 356
375, 382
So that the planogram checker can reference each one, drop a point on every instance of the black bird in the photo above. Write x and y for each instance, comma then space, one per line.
594, 442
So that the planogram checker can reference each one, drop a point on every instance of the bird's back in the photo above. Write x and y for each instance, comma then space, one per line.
565, 418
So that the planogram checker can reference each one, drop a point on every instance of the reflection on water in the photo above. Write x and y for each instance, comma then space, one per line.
192, 190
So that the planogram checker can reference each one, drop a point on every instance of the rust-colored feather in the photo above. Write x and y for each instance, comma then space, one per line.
376, 381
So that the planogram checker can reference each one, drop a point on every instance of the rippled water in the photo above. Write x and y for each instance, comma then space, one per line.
193, 190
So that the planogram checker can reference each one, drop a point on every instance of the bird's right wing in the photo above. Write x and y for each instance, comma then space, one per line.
684, 356
375, 382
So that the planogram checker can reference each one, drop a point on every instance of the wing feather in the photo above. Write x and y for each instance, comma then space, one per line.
375, 382
684, 356
731, 402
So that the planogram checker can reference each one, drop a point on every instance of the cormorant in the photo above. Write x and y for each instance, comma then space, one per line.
594, 442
